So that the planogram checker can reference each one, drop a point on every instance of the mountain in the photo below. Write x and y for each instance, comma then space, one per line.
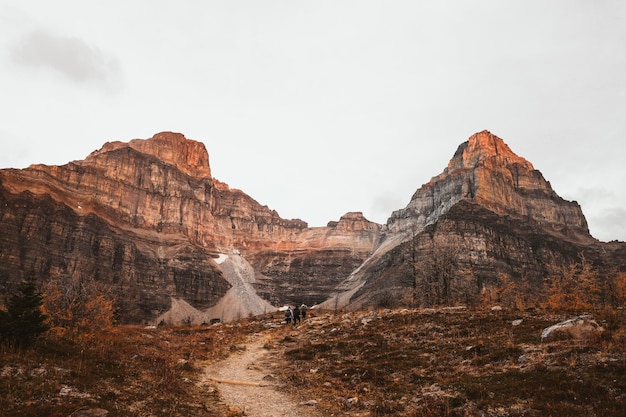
486, 172
488, 216
147, 220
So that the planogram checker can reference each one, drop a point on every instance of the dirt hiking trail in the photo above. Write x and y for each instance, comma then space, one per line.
246, 384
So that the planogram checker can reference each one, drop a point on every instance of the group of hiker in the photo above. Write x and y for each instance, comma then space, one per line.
296, 315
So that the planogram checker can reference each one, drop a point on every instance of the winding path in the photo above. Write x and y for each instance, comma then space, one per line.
245, 383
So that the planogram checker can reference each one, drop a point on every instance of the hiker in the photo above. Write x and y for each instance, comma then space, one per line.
303, 309
288, 315
296, 315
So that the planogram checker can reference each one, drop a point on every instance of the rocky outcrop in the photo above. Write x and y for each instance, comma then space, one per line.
310, 268
488, 214
477, 245
48, 240
578, 328
128, 186
147, 216
486, 172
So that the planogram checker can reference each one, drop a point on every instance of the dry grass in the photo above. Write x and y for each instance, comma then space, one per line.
458, 363
129, 371
378, 363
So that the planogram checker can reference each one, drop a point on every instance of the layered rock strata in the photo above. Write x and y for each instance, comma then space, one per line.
488, 214
148, 217
485, 171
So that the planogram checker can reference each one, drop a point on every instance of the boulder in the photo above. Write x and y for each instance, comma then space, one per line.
577, 328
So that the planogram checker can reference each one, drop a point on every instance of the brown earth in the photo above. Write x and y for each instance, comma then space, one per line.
448, 362
245, 381
445, 362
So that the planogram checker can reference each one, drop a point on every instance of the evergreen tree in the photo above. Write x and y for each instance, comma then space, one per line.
4, 325
23, 320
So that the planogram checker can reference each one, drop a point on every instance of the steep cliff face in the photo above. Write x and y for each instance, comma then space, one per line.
488, 214
128, 185
147, 215
308, 269
473, 247
485, 171
48, 240
147, 219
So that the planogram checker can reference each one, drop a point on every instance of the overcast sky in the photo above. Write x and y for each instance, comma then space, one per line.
318, 108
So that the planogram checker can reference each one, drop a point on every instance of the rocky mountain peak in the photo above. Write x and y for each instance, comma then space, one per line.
483, 147
486, 172
146, 218
187, 155
353, 221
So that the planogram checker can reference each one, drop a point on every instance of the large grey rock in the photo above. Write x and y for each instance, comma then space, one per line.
578, 328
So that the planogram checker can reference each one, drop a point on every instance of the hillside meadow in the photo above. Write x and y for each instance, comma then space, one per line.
394, 362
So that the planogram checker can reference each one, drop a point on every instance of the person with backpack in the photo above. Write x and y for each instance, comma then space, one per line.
296, 315
289, 315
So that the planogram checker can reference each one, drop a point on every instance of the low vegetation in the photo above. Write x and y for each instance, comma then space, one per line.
458, 363
61, 353
126, 370
444, 362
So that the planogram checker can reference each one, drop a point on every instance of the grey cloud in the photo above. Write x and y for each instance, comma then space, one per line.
610, 223
71, 57
15, 151
383, 205
591, 196
604, 210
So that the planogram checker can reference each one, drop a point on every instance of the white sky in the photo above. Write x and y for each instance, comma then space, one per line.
317, 108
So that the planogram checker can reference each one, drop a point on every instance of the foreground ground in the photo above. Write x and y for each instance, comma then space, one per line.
376, 363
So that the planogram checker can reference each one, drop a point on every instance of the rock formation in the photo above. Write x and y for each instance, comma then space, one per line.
485, 171
487, 214
147, 218
173, 243
577, 328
